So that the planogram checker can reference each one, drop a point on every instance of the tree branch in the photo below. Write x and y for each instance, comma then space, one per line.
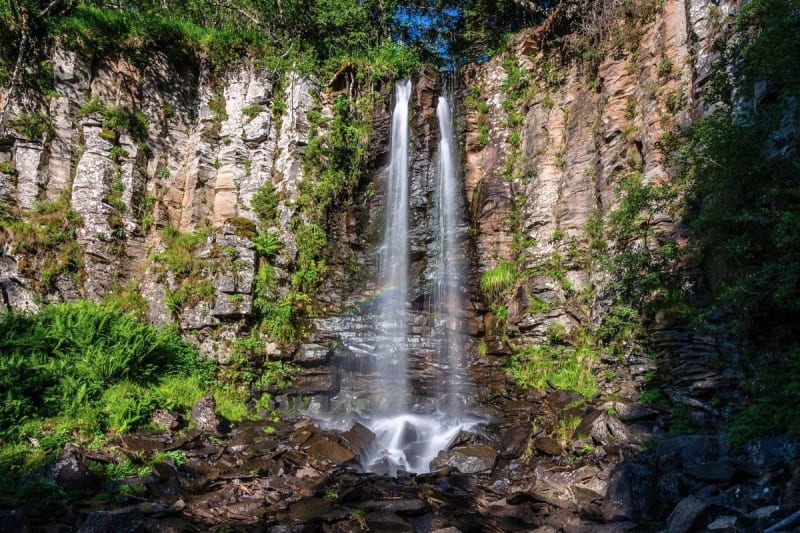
242, 11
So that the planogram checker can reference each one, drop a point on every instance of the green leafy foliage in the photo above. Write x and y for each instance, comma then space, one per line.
740, 165
644, 263
180, 258
82, 368
564, 366
776, 388
33, 126
266, 244
45, 238
500, 279
117, 120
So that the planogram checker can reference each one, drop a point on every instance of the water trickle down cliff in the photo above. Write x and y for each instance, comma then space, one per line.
410, 438
392, 347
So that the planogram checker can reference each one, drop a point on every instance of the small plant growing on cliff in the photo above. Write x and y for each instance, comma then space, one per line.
265, 203
252, 111
33, 126
483, 134
92, 105
499, 279
267, 244
217, 106
665, 67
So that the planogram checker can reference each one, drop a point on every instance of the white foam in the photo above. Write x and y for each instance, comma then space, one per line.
410, 442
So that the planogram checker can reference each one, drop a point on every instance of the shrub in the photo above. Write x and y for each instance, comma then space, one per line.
83, 368
266, 244
498, 280
565, 367
265, 203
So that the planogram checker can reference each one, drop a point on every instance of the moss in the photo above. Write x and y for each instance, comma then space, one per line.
252, 111
497, 281
243, 227
179, 257
565, 367
33, 126
45, 238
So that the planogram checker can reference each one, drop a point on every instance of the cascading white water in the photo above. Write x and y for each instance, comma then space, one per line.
394, 260
448, 291
410, 441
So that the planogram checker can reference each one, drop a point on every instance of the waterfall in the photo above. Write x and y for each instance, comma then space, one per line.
448, 290
407, 440
394, 262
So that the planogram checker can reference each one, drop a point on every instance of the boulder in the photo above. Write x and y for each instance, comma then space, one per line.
547, 445
630, 492
360, 440
204, 414
166, 419
673, 453
72, 474
389, 522
720, 471
477, 459
514, 441
126, 520
603, 428
691, 514
323, 451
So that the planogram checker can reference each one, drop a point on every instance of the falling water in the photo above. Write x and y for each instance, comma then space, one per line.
406, 440
394, 259
448, 291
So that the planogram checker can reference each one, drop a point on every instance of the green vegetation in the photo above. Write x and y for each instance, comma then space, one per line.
128, 299
117, 120
179, 257
45, 238
497, 281
332, 175
33, 126
591, 31
741, 178
322, 35
566, 362
79, 370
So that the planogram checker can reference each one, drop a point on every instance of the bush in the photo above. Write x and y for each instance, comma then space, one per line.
498, 280
266, 244
565, 367
88, 368
265, 204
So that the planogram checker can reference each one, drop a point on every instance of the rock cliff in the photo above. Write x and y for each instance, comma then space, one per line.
134, 155
213, 199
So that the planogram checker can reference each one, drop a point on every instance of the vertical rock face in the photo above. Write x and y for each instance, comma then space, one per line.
134, 152
537, 166
534, 181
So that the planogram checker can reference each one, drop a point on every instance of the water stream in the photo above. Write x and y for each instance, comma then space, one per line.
394, 262
448, 283
407, 440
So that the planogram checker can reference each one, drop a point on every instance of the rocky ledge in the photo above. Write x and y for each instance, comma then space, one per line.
597, 466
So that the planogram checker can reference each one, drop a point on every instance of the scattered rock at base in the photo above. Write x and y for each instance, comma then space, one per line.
323, 452
167, 419
204, 414
126, 520
548, 445
630, 492
477, 459
691, 514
